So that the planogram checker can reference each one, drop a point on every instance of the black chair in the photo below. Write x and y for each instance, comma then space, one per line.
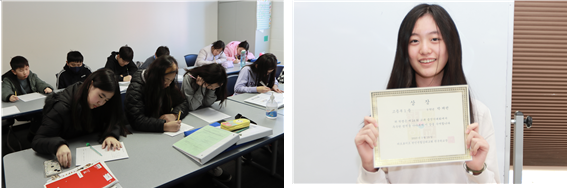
231, 81
190, 59
279, 70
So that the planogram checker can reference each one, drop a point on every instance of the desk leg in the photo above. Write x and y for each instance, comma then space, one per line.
274, 157
238, 173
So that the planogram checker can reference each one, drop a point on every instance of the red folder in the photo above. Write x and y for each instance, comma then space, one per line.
95, 175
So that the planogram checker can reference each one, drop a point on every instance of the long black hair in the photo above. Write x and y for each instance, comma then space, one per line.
403, 75
159, 100
243, 44
260, 69
82, 115
211, 74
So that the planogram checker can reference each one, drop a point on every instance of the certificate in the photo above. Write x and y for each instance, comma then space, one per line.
421, 125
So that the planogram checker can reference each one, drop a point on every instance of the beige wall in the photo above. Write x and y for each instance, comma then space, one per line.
44, 32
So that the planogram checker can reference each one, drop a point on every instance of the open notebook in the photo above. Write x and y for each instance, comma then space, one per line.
209, 114
262, 98
86, 154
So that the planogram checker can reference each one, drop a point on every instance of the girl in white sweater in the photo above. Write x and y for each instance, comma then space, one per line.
429, 54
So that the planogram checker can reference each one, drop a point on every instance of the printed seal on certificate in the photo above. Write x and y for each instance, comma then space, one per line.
421, 125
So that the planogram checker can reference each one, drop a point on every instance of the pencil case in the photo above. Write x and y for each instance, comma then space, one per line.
235, 124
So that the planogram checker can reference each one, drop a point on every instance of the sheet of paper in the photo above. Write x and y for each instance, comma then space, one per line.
209, 114
184, 127
31, 97
86, 154
10, 110
426, 125
202, 140
123, 86
262, 98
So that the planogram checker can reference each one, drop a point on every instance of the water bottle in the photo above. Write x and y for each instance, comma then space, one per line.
242, 58
272, 108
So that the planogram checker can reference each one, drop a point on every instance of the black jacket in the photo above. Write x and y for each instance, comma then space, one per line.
119, 71
66, 77
135, 107
57, 123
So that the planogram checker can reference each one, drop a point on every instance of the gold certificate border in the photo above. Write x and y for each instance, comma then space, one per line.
461, 89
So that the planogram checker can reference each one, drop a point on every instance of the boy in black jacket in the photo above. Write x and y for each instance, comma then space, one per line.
121, 63
73, 71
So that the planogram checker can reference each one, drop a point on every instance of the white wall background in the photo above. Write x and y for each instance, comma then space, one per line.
343, 51
237, 22
44, 32
277, 31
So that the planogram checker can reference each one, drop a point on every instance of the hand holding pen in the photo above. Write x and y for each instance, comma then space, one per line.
262, 89
128, 77
14, 97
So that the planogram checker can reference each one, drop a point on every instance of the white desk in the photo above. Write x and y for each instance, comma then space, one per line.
243, 96
152, 160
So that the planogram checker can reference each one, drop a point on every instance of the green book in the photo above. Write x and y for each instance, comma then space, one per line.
206, 143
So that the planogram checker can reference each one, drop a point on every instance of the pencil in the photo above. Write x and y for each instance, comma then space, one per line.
16, 93
93, 149
178, 115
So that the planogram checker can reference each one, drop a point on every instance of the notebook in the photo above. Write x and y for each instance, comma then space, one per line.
206, 143
262, 98
95, 175
253, 133
31, 97
10, 110
86, 154
184, 127
209, 114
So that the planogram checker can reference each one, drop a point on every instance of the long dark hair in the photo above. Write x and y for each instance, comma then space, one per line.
260, 69
159, 100
211, 74
403, 75
243, 44
103, 79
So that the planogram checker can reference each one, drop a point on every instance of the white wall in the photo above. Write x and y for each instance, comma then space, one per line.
277, 31
44, 32
237, 22
343, 51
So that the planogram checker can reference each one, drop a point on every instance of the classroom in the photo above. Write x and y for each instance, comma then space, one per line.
192, 38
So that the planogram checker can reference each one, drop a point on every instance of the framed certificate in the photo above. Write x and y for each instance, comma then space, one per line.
421, 125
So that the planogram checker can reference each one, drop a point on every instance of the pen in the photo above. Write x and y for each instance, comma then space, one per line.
261, 82
178, 115
16, 93
93, 148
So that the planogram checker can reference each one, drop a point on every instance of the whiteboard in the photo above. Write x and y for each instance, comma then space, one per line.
344, 50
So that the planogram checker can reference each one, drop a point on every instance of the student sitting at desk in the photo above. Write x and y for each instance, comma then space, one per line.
233, 50
121, 63
153, 100
204, 85
83, 108
162, 50
73, 71
259, 77
211, 54
20, 80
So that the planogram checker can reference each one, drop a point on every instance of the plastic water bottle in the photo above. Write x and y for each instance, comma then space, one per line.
242, 58
272, 108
